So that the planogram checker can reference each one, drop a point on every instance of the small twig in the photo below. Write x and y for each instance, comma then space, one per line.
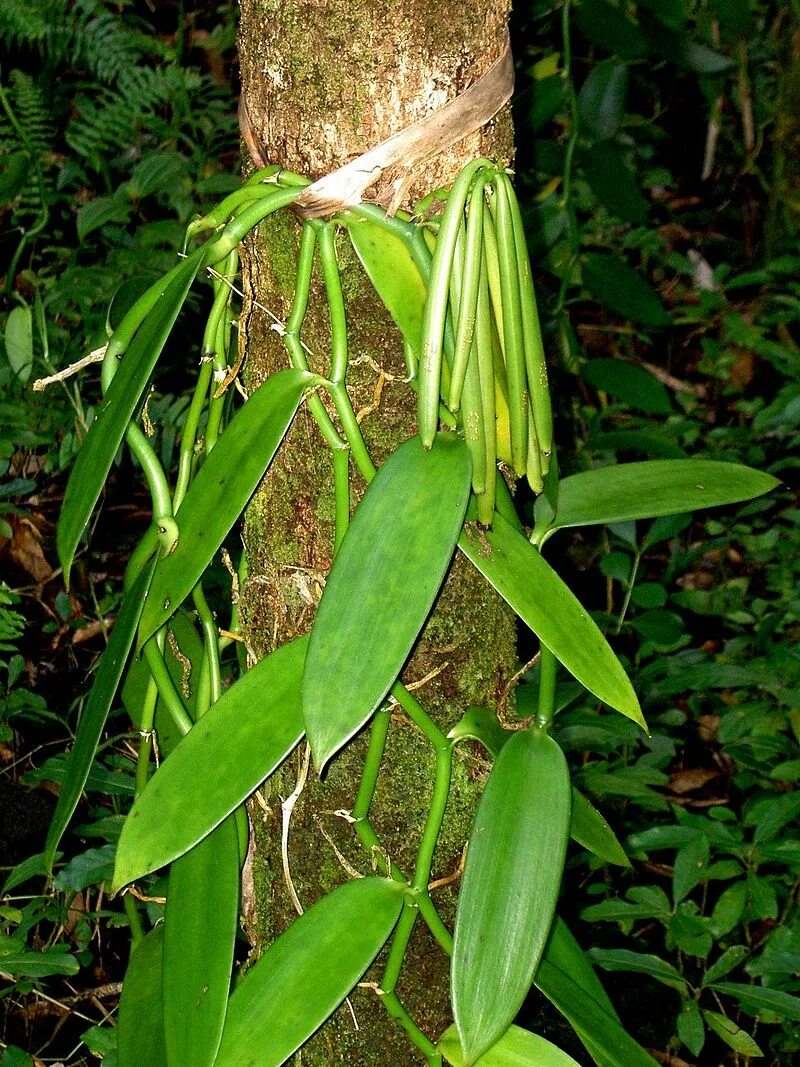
676, 384
428, 677
229, 567
110, 989
287, 807
343, 860
97, 355
137, 895
448, 879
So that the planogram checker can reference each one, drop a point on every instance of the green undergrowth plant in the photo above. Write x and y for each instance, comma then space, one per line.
112, 131
458, 285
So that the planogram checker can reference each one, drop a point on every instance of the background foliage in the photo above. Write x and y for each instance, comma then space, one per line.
658, 159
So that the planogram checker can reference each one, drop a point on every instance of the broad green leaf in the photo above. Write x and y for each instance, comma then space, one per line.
590, 829
754, 999
14, 1056
140, 1031
544, 603
394, 274
105, 435
200, 924
647, 443
601, 100
382, 586
95, 713
564, 953
19, 342
623, 290
734, 16
732, 1034
614, 184
236, 745
622, 959
690, 1027
725, 963
629, 383
608, 27
221, 490
304, 976
689, 867
510, 886
587, 825
516, 1048
672, 13
14, 175
100, 211
21, 962
654, 487
32, 867
92, 867
602, 1034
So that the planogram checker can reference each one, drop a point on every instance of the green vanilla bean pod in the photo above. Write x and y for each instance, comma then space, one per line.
433, 322
468, 301
484, 358
493, 274
534, 473
535, 365
472, 419
512, 327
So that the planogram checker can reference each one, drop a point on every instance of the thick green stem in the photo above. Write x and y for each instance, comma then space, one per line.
166, 687
548, 667
210, 641
146, 736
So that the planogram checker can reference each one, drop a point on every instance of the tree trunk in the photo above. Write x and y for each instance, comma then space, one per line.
321, 84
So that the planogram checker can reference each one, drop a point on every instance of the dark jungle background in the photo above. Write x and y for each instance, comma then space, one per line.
660, 175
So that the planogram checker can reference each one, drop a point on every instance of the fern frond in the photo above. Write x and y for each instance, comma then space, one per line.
26, 22
111, 120
102, 43
32, 130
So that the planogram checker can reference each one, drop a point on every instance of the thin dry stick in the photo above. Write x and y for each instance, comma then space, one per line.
343, 860
97, 355
287, 807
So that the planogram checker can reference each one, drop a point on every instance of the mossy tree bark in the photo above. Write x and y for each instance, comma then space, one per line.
322, 83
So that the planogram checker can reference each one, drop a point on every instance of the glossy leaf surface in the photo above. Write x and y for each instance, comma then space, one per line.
95, 713
755, 999
303, 977
219, 493
563, 952
382, 586
590, 829
394, 275
602, 1034
509, 889
200, 924
140, 1030
544, 603
587, 825
105, 435
655, 487
516, 1048
236, 745
623, 290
